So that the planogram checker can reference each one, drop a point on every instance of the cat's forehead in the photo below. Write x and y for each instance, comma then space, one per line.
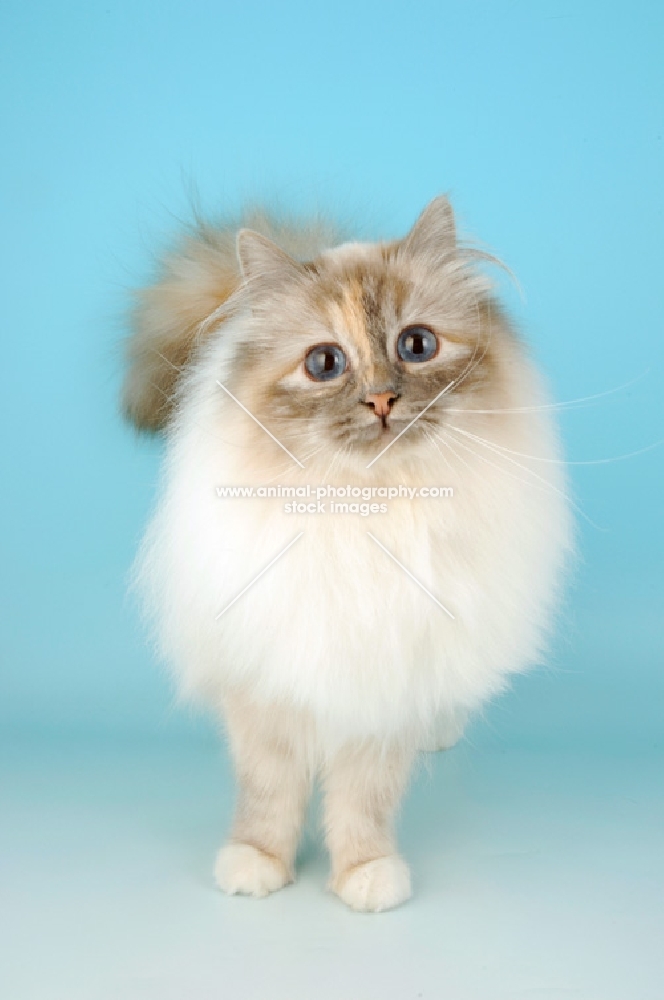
360, 286
350, 253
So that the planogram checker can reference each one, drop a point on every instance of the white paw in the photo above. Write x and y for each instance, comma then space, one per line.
243, 868
375, 885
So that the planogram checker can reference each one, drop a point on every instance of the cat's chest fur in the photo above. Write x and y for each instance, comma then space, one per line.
371, 623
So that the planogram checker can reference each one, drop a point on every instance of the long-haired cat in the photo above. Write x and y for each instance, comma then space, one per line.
337, 645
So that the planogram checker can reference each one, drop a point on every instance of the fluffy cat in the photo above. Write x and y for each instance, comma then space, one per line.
273, 355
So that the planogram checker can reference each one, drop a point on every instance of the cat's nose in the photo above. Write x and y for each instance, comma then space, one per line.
381, 402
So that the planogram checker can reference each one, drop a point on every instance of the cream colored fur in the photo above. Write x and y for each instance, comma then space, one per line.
335, 664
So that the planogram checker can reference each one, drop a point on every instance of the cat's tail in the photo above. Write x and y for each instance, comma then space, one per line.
194, 280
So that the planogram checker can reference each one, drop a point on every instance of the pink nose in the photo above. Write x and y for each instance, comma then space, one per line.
381, 402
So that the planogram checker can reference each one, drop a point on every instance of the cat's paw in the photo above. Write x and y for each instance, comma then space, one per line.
376, 885
244, 869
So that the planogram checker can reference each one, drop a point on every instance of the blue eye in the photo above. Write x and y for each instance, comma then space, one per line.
325, 362
417, 343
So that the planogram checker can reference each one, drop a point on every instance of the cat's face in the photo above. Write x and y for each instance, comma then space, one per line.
344, 352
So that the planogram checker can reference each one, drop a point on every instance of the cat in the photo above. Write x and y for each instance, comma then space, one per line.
335, 647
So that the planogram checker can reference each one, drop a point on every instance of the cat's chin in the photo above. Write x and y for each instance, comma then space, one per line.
367, 438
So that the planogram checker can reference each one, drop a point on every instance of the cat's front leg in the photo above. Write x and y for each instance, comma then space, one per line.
270, 750
363, 785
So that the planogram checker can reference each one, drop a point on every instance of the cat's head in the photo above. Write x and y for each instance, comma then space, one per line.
348, 349
333, 350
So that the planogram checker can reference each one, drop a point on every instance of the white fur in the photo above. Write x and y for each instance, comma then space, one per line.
380, 884
241, 868
334, 627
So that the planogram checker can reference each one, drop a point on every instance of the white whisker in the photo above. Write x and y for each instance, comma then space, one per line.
564, 404
448, 444
431, 437
446, 440
545, 483
556, 461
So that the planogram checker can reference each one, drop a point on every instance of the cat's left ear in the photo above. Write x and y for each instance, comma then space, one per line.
434, 233
259, 257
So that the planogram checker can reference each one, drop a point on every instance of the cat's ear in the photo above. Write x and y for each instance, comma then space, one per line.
259, 257
434, 233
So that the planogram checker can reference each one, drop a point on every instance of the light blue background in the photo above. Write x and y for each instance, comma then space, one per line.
543, 120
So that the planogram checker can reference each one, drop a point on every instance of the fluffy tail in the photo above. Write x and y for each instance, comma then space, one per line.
169, 315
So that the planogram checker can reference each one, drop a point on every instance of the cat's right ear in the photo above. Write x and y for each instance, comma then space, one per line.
259, 257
